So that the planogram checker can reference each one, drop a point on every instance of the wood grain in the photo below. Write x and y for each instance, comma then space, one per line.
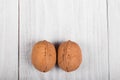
8, 40
83, 21
114, 38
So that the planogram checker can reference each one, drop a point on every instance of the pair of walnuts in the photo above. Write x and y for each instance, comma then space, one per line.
44, 56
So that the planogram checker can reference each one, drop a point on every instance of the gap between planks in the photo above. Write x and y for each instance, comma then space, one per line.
107, 18
18, 39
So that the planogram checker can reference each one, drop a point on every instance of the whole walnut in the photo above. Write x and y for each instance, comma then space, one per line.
69, 56
43, 56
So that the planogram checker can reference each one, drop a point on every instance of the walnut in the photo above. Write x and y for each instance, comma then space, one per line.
69, 56
43, 56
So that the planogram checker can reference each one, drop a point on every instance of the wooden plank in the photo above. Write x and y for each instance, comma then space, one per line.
114, 38
8, 40
83, 21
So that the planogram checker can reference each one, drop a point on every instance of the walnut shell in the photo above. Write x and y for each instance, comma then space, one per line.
43, 56
69, 56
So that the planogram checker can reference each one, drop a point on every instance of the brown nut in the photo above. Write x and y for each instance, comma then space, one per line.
43, 56
69, 56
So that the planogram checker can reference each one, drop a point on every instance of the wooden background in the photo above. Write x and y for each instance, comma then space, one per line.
93, 24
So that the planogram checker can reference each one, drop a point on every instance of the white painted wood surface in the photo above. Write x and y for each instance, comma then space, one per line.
8, 40
114, 38
83, 21
93, 24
